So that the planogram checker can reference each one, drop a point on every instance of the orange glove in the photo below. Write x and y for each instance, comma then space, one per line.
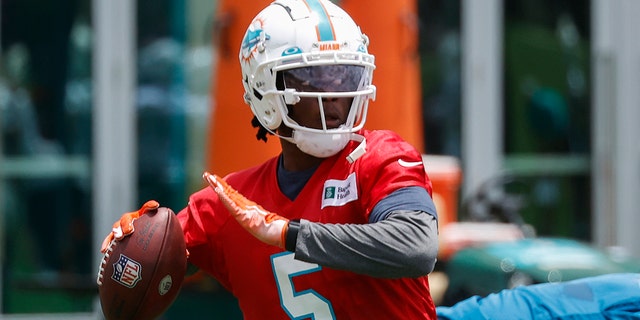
268, 227
124, 226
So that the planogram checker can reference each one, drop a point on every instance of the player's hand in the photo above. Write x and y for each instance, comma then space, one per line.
269, 227
124, 226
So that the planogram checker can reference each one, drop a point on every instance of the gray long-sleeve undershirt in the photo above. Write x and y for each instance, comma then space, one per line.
404, 244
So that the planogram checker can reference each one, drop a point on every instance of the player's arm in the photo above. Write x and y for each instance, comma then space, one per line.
400, 240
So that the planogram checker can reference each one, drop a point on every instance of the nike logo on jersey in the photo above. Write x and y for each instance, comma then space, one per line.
408, 164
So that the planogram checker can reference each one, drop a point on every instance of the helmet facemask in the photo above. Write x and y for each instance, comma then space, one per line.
321, 82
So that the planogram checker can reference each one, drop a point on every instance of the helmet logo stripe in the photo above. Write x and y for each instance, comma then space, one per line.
324, 28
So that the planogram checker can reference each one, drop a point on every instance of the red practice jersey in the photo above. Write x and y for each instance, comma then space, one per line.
267, 281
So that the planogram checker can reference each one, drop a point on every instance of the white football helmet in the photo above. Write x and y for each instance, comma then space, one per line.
306, 40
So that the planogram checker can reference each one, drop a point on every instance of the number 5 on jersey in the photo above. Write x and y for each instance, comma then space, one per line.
304, 304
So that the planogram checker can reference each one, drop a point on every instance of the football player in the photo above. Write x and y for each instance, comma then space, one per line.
339, 225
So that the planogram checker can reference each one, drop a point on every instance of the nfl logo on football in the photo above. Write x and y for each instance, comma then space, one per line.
127, 271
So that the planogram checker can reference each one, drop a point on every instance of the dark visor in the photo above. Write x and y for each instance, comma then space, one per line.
324, 78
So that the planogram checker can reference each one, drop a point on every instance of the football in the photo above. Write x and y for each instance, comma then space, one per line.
141, 275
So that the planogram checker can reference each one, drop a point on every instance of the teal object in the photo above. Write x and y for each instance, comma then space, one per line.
612, 296
548, 113
490, 268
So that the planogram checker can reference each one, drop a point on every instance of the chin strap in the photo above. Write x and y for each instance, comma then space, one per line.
359, 150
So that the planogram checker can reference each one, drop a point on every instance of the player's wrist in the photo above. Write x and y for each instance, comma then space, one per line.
291, 238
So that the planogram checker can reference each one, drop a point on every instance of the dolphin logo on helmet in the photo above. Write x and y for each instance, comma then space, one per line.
253, 39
